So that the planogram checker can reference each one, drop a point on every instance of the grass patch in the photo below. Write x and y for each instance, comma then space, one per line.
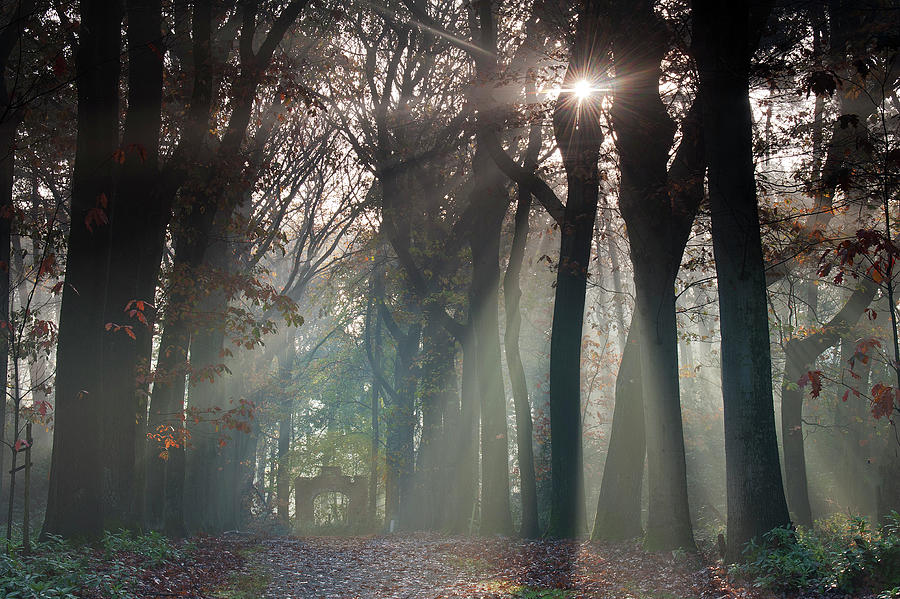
469, 565
251, 582
636, 591
520, 591
524, 592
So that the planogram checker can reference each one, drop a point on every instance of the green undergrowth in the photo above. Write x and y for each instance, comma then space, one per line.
59, 569
841, 553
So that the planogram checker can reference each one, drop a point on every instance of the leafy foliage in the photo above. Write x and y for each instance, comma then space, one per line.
841, 554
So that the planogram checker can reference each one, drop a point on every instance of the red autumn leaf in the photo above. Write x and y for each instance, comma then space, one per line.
47, 265
814, 379
95, 216
882, 400
59, 65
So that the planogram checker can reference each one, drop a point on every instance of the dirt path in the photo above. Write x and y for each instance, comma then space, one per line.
433, 566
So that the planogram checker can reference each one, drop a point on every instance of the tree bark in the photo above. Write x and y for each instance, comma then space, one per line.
512, 293
578, 136
619, 504
644, 136
800, 355
285, 431
724, 39
490, 193
136, 221
74, 504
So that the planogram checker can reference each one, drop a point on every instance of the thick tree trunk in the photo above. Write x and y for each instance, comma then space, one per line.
74, 504
490, 192
619, 504
7, 163
203, 482
137, 229
435, 385
644, 136
400, 424
723, 43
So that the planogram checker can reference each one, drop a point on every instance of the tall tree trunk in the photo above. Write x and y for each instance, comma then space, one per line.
724, 39
800, 355
285, 430
465, 450
11, 117
619, 503
796, 365
205, 395
435, 383
512, 293
578, 135
490, 192
400, 425
74, 503
7, 160
135, 225
644, 136
375, 354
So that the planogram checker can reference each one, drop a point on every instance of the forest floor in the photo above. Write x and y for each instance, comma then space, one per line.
431, 566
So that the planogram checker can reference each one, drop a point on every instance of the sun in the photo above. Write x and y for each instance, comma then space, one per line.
582, 89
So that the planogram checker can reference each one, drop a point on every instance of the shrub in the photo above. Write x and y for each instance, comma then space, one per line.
841, 553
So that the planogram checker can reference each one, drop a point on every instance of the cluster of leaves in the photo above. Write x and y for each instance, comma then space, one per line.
841, 554
883, 399
58, 569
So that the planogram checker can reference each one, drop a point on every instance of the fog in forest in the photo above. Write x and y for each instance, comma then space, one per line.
602, 271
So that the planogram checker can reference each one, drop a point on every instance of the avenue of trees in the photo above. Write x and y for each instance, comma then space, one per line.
593, 268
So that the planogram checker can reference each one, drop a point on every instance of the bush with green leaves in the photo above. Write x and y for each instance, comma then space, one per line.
155, 548
840, 553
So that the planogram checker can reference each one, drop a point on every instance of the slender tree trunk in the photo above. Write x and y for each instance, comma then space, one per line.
792, 436
465, 453
723, 44
285, 431
375, 420
579, 137
74, 503
512, 294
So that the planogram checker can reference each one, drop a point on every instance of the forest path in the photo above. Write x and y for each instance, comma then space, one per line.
430, 566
